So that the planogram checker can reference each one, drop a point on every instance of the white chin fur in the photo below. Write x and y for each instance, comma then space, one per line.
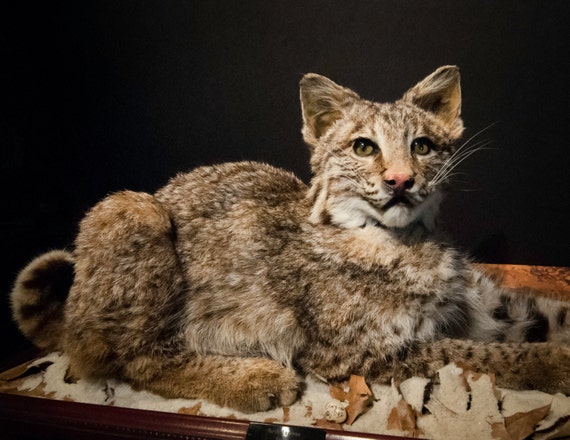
354, 212
399, 216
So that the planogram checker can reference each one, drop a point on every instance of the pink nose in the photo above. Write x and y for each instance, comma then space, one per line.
399, 182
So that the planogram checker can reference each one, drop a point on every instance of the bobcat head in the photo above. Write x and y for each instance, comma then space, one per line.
380, 163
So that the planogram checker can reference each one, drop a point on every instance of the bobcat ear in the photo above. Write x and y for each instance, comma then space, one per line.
440, 93
322, 101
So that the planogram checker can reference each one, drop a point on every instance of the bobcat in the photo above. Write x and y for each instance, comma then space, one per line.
233, 281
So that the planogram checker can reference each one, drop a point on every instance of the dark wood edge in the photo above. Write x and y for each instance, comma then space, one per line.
23, 417
31, 417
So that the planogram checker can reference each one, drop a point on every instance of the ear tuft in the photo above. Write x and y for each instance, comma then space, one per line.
322, 101
440, 93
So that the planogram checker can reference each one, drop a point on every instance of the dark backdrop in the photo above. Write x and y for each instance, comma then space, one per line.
99, 96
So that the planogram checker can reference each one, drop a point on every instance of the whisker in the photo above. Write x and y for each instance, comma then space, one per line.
477, 134
469, 190
460, 155
466, 143
457, 159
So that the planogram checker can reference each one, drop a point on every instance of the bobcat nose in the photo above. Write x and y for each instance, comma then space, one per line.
399, 183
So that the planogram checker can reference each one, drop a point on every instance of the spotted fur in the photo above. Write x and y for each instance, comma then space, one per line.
235, 280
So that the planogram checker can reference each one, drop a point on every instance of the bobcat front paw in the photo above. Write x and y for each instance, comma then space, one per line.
262, 387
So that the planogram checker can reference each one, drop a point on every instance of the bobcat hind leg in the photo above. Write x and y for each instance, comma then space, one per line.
128, 291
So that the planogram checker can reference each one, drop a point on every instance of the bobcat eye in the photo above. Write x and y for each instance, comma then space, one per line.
422, 146
364, 147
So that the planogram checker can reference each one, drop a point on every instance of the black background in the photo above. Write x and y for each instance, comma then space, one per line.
100, 96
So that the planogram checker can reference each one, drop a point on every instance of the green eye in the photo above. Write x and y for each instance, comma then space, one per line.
364, 147
422, 146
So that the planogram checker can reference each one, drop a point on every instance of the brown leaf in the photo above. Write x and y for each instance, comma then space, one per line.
359, 398
337, 392
521, 425
469, 371
25, 370
403, 418
286, 414
465, 367
499, 432
193, 410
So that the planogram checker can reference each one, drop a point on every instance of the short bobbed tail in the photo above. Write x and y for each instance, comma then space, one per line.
39, 295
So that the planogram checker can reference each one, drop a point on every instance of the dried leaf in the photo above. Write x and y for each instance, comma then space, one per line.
337, 393
359, 398
499, 432
286, 414
403, 418
29, 369
469, 371
521, 425
192, 411
12, 379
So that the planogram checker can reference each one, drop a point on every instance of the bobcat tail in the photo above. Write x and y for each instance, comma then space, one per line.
39, 295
